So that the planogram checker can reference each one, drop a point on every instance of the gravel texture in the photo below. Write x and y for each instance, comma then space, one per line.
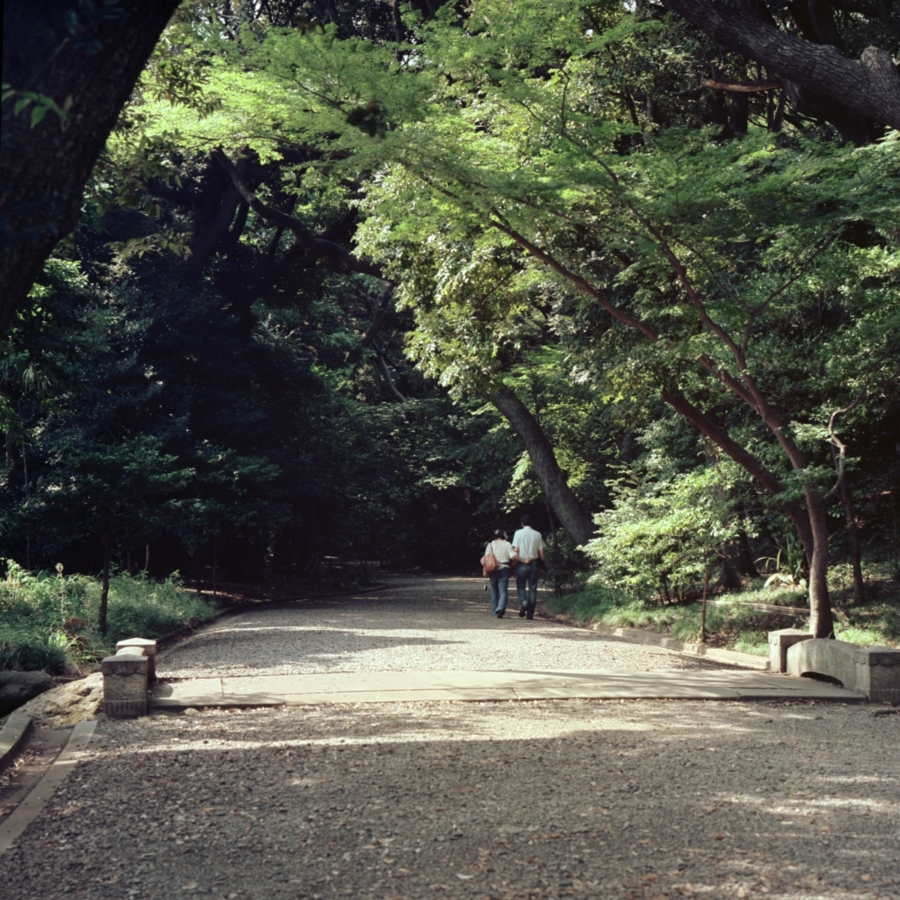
505, 800
418, 624
550, 799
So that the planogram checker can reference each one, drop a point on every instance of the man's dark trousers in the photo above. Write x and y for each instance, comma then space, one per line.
526, 586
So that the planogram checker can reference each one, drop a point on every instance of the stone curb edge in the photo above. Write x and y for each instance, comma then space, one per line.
640, 636
14, 734
30, 808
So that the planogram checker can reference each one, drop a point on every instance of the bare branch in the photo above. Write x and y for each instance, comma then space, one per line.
386, 374
743, 87
316, 245
377, 316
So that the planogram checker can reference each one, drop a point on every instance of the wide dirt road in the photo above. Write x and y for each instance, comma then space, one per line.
569, 798
419, 624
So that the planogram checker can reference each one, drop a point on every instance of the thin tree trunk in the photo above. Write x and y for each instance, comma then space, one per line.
747, 566
859, 585
557, 584
810, 523
25, 482
559, 495
104, 591
388, 379
894, 529
703, 607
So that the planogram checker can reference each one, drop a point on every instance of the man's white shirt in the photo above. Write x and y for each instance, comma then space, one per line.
528, 543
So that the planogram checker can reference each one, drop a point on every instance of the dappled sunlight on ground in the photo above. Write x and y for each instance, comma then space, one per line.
636, 799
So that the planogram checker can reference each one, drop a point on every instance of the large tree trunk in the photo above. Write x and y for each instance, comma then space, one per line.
90, 64
821, 624
869, 85
543, 460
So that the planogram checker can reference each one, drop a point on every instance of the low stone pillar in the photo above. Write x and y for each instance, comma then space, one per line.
125, 681
878, 674
780, 642
147, 647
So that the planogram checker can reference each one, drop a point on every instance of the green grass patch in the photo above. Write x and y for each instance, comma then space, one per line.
754, 592
734, 625
48, 621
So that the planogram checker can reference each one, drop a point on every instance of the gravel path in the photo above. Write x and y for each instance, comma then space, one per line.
512, 800
418, 624
591, 799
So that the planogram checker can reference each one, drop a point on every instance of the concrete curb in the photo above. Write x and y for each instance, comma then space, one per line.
481, 685
30, 808
14, 734
655, 639
730, 657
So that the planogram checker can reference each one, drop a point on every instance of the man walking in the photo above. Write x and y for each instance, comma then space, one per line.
528, 546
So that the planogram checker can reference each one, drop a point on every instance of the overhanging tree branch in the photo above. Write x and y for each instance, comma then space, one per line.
869, 85
741, 87
314, 244
708, 427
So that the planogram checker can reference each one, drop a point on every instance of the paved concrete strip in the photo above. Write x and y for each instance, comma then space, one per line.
12, 737
351, 687
32, 805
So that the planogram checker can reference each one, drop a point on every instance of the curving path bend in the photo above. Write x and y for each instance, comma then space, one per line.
419, 624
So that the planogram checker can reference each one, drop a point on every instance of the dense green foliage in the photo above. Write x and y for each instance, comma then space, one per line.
313, 253
737, 620
48, 621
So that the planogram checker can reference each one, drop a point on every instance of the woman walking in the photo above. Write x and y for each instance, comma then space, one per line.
502, 550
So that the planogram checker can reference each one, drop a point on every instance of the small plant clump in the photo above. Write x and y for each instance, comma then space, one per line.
49, 621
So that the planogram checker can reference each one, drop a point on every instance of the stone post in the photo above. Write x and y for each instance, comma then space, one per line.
147, 647
878, 674
779, 644
125, 680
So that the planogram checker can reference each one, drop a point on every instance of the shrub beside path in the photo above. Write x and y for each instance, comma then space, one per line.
565, 798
